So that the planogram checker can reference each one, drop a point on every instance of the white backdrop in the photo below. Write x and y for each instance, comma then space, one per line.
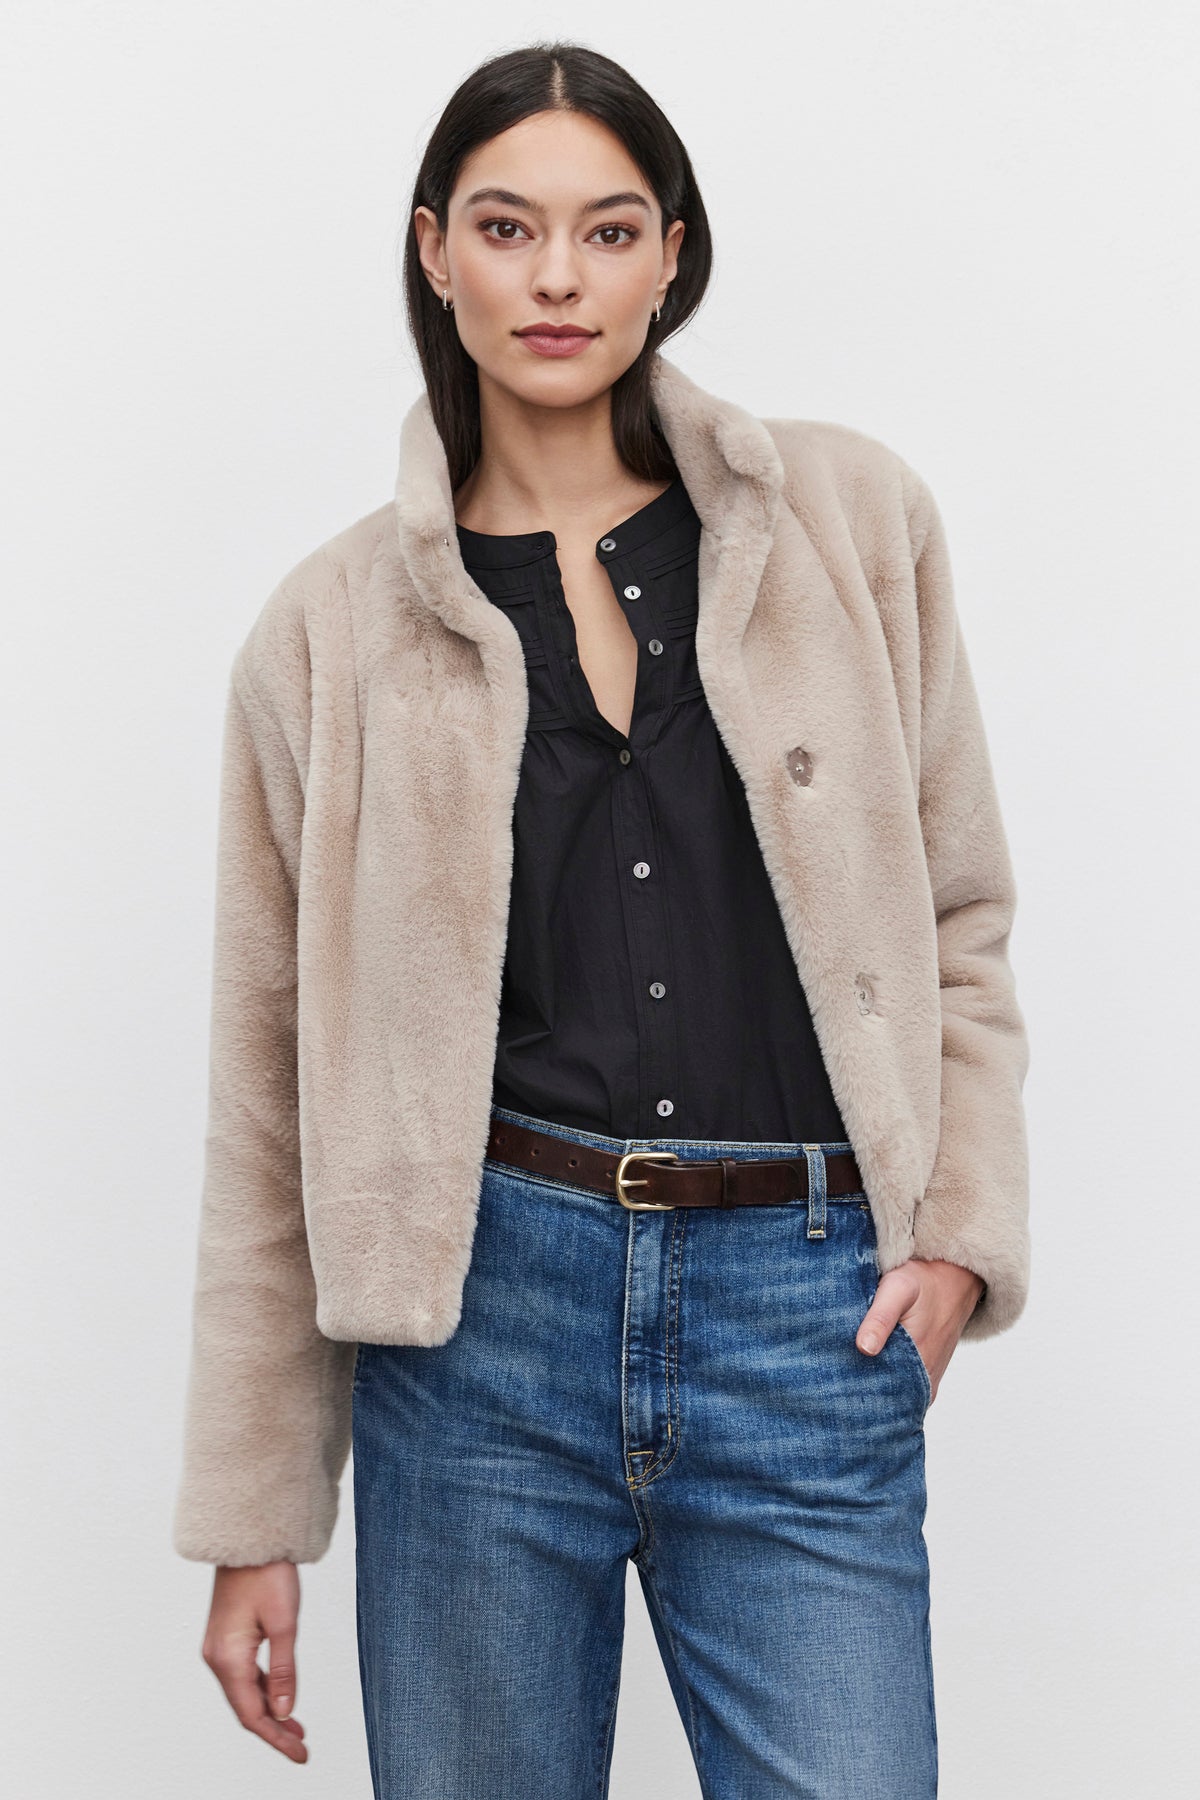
966, 229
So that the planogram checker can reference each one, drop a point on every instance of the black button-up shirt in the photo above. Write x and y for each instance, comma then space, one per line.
648, 989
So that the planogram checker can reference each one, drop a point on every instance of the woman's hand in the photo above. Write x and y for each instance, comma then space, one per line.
934, 1300
248, 1606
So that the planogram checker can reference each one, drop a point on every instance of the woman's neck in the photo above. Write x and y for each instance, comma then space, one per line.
544, 468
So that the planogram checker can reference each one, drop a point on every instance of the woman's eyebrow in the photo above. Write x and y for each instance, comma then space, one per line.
504, 197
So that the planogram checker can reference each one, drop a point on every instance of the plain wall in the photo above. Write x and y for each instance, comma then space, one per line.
967, 230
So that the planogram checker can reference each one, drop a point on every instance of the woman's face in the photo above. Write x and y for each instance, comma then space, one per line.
551, 222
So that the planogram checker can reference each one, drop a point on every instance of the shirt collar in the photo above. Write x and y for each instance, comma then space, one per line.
491, 550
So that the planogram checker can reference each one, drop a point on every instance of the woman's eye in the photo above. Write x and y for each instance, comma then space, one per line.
504, 231
488, 223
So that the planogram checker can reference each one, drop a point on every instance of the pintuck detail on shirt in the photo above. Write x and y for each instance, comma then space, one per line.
376, 724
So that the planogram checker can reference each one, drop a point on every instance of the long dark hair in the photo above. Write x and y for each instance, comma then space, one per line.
502, 91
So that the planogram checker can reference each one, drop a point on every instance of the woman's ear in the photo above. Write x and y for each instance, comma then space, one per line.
671, 245
431, 248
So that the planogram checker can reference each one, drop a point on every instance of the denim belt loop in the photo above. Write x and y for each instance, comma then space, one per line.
815, 1157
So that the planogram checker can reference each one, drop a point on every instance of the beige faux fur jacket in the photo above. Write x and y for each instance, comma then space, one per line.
373, 740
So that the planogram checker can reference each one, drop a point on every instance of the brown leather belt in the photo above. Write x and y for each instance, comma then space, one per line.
661, 1179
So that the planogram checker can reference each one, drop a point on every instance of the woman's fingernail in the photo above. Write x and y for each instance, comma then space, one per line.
283, 1705
870, 1342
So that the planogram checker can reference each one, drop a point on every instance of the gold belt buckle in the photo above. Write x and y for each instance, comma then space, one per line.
627, 1181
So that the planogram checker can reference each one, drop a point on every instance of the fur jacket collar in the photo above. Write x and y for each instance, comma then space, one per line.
373, 739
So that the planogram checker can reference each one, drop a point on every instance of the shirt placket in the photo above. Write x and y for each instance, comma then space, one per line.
640, 873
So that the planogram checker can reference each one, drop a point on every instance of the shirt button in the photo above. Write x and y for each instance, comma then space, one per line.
658, 989
608, 543
665, 1107
655, 647
800, 766
624, 756
633, 593
641, 870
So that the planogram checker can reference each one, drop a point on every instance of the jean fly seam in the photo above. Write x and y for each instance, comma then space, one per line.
627, 1454
678, 1236
660, 1462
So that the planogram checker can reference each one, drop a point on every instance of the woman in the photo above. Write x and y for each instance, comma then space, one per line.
616, 1112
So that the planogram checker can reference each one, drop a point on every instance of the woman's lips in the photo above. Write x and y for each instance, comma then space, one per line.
547, 343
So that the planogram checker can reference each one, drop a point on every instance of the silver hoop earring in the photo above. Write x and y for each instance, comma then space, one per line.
447, 305
657, 311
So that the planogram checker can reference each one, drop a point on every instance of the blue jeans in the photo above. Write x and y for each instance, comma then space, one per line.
681, 1389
